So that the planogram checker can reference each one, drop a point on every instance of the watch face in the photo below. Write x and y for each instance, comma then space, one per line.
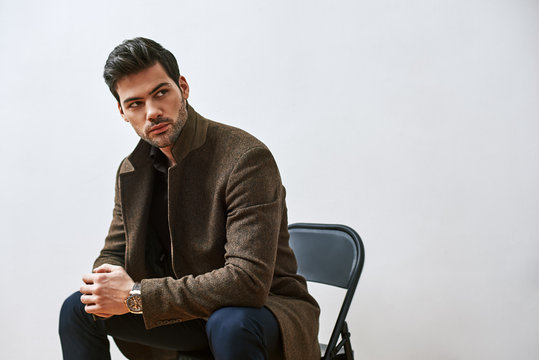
134, 303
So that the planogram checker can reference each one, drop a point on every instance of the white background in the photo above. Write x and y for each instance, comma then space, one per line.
415, 122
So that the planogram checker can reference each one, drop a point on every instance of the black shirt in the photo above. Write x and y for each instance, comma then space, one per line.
159, 209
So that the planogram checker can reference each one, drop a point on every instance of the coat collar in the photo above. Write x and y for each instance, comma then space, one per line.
192, 136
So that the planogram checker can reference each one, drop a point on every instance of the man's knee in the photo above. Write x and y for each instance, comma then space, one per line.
243, 332
232, 322
70, 311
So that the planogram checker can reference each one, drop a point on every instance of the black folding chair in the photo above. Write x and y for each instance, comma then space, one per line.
331, 255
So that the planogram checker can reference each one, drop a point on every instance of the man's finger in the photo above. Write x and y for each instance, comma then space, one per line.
93, 309
87, 289
87, 299
105, 268
88, 278
90, 308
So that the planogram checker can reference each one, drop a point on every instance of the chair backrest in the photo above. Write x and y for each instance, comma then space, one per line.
332, 255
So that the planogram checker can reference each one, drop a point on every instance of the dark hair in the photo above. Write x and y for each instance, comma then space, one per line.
135, 55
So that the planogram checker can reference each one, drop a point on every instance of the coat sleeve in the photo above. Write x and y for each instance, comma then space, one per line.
254, 199
114, 250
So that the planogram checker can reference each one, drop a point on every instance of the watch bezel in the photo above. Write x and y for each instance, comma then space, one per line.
134, 302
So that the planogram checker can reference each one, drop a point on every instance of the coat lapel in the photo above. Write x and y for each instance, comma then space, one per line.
136, 184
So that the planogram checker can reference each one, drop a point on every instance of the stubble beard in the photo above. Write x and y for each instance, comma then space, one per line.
170, 136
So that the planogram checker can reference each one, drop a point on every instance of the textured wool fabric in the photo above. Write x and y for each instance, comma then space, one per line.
228, 227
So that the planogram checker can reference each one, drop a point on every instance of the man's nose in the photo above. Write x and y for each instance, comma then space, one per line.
153, 112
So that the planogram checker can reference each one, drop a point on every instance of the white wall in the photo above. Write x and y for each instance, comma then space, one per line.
416, 122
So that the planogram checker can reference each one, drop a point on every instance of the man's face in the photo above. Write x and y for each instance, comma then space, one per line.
154, 105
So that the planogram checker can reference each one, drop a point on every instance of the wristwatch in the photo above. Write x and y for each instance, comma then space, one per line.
134, 301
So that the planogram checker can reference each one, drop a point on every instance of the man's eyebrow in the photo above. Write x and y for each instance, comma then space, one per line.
151, 92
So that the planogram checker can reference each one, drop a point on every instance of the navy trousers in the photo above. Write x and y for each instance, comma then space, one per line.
231, 333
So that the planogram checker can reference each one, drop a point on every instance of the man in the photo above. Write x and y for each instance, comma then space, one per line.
197, 257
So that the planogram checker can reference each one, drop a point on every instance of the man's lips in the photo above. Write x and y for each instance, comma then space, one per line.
158, 129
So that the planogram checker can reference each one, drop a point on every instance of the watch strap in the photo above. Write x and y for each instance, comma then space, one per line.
136, 288
134, 300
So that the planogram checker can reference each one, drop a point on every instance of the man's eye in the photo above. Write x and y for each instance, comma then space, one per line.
134, 105
161, 92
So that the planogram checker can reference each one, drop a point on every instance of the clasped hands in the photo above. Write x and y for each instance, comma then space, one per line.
105, 291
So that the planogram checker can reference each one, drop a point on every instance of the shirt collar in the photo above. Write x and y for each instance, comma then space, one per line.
159, 160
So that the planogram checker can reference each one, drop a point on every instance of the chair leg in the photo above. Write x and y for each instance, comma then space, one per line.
345, 334
348, 353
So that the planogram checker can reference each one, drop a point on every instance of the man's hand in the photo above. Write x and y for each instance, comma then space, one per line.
106, 290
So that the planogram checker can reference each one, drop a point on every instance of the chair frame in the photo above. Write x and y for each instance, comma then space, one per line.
341, 327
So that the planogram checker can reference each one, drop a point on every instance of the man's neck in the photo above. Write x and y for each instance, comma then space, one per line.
168, 153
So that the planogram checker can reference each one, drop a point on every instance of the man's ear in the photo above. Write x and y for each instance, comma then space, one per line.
122, 112
184, 86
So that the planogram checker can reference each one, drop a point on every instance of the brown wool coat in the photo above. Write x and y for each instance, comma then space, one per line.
228, 227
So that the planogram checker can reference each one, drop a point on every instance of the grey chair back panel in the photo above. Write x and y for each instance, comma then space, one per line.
324, 256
